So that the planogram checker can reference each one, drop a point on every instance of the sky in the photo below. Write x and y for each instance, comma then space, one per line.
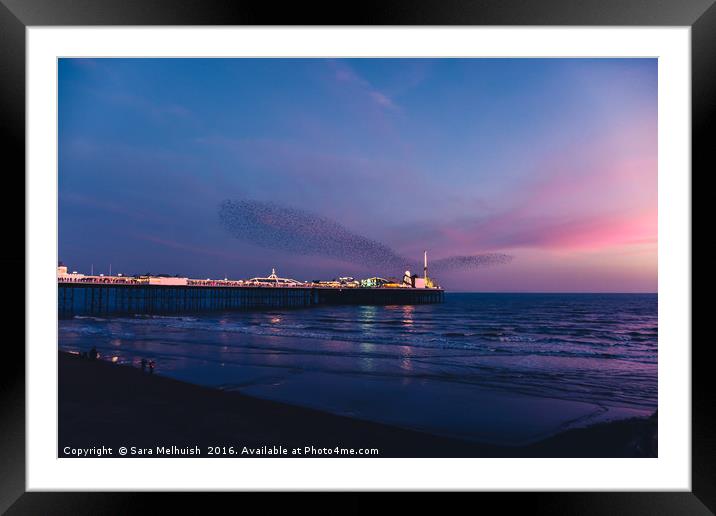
549, 162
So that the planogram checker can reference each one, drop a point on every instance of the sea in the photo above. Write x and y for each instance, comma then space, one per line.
496, 368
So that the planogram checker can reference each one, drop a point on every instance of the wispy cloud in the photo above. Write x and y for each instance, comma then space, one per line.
181, 246
103, 204
343, 73
156, 110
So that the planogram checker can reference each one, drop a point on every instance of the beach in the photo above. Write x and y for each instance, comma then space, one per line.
108, 406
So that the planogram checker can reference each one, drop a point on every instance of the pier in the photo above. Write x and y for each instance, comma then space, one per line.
118, 298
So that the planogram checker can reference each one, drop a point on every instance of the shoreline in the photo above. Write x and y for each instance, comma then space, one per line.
108, 405
295, 370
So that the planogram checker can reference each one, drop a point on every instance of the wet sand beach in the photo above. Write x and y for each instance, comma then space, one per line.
111, 405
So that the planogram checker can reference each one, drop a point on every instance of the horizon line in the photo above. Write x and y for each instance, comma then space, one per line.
540, 292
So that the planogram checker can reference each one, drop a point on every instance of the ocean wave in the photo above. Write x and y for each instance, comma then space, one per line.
517, 338
478, 342
605, 352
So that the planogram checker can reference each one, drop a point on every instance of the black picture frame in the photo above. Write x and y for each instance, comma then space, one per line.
17, 15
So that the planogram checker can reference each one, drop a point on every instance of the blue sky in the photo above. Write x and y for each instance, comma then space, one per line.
552, 161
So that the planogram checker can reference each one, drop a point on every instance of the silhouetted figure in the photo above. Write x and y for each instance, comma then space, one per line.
151, 366
93, 353
144, 364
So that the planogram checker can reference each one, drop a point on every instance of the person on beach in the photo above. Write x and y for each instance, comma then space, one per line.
151, 366
93, 353
144, 364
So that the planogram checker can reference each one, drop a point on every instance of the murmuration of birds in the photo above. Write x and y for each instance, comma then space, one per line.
472, 262
275, 226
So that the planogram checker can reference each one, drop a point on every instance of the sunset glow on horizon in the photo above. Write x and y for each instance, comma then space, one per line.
551, 161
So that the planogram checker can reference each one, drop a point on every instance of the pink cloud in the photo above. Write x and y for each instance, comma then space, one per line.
593, 196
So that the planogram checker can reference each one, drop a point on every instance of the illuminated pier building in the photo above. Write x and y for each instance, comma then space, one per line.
100, 294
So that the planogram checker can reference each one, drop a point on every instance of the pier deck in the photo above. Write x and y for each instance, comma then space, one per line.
108, 299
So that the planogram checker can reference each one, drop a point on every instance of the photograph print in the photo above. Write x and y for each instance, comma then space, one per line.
369, 258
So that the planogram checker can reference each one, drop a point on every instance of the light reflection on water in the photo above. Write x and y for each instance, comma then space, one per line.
599, 349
